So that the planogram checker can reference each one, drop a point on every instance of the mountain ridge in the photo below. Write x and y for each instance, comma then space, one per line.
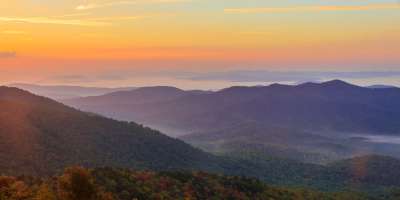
66, 91
334, 93
40, 135
333, 109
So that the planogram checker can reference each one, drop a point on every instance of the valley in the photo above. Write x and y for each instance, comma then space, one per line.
199, 100
311, 122
235, 138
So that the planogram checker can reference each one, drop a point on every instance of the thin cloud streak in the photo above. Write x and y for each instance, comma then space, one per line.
46, 20
72, 15
13, 32
93, 6
7, 54
121, 18
311, 8
285, 76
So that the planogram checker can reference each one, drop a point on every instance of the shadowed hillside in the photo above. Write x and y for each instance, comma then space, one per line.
38, 135
311, 122
329, 106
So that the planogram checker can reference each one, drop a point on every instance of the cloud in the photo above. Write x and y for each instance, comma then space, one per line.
7, 54
225, 78
115, 3
80, 14
285, 76
120, 18
13, 32
70, 79
60, 20
311, 8
47, 20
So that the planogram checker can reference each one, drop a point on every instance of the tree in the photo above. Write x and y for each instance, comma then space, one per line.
76, 184
45, 193
13, 189
105, 196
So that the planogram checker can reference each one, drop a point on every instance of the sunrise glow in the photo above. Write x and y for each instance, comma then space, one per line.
45, 37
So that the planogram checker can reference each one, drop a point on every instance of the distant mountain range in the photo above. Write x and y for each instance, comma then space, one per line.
39, 136
66, 92
329, 106
136, 96
319, 121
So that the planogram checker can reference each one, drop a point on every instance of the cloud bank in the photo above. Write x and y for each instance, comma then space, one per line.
116, 3
285, 76
311, 8
47, 20
7, 54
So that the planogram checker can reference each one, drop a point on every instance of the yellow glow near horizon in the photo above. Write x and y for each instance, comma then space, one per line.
275, 35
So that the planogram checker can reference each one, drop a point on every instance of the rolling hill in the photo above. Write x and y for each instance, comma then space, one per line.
311, 122
329, 106
41, 136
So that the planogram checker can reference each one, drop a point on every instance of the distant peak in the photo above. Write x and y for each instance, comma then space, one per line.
308, 84
278, 85
381, 87
158, 88
334, 84
233, 88
337, 83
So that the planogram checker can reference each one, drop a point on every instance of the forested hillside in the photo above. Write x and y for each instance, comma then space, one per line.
310, 122
78, 183
329, 106
41, 136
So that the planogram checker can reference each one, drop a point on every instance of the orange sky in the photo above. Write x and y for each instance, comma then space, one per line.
46, 38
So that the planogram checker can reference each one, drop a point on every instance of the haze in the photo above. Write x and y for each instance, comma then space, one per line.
167, 42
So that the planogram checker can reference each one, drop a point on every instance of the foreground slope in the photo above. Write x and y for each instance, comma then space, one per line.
39, 135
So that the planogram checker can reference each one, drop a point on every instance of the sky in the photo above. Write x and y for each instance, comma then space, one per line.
185, 43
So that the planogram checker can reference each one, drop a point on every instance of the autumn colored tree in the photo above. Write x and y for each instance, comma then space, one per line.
105, 196
45, 193
76, 184
13, 189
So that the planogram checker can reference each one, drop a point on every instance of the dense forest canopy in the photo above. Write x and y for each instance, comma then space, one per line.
41, 137
77, 183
